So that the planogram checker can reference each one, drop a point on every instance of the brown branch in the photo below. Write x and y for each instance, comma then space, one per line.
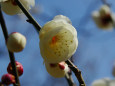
77, 72
105, 2
28, 15
69, 79
11, 55
68, 76
1, 84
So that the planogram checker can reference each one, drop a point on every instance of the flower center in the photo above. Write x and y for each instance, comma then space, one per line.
54, 40
106, 19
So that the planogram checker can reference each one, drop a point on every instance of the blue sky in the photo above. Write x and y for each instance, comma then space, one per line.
95, 54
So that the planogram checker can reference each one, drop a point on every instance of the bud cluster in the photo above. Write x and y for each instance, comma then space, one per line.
9, 78
15, 43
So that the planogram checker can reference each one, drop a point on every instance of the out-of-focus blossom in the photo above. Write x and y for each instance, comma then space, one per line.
58, 40
16, 42
104, 18
11, 8
57, 70
104, 82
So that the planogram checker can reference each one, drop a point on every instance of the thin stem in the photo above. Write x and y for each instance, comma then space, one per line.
1, 84
11, 55
77, 72
69, 79
28, 15
105, 2
68, 76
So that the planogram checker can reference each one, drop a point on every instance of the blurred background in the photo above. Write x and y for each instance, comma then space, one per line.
95, 55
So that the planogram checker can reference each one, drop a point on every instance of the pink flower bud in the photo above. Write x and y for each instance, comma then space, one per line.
8, 79
19, 68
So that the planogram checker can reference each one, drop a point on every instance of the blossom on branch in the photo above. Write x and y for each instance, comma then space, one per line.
57, 70
11, 8
103, 18
58, 40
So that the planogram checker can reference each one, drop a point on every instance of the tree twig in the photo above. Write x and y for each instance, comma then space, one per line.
68, 76
69, 79
105, 2
77, 72
1, 84
31, 20
28, 15
11, 55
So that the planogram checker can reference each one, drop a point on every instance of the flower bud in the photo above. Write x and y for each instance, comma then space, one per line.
19, 68
8, 79
11, 8
16, 42
58, 41
57, 70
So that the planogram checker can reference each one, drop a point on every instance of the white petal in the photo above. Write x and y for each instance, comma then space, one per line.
65, 45
61, 17
104, 10
3, 0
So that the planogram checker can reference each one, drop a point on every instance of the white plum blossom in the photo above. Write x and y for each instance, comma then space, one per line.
57, 70
103, 18
104, 82
16, 42
58, 41
11, 8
